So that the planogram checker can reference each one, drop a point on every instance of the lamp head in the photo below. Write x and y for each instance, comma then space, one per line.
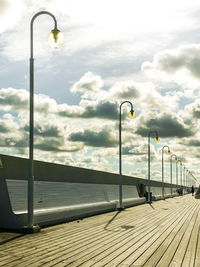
157, 139
169, 152
132, 114
55, 38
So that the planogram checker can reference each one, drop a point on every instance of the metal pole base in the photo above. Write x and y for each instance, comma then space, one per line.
32, 230
121, 208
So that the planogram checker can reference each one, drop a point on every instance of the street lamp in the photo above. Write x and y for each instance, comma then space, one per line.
169, 152
156, 139
131, 115
175, 157
56, 40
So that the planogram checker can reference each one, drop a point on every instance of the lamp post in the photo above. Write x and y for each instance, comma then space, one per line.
156, 139
131, 115
172, 156
168, 151
56, 40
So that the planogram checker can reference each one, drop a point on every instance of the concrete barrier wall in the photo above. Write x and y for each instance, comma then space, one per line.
52, 195
63, 192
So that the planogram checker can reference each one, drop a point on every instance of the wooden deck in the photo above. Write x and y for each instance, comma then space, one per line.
166, 233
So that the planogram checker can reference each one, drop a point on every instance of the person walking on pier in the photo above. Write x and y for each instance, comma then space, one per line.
192, 190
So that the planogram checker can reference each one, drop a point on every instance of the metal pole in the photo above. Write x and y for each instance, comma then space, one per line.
171, 173
149, 200
120, 161
163, 169
30, 215
162, 173
177, 172
149, 167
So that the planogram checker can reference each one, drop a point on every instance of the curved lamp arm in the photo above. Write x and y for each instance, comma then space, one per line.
31, 27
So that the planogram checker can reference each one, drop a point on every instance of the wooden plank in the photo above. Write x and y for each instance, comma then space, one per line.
197, 258
157, 250
34, 251
115, 249
168, 255
189, 259
132, 253
77, 249
181, 250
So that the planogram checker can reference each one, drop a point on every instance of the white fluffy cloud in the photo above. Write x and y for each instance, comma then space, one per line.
89, 85
179, 65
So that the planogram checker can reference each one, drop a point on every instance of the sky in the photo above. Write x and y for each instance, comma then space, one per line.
146, 52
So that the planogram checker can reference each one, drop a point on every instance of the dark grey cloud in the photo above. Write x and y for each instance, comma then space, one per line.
47, 131
103, 109
166, 126
194, 109
126, 90
96, 139
49, 145
193, 142
16, 99
12, 142
54, 145
4, 128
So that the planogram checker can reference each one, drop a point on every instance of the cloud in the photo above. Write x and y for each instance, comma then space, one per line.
180, 65
134, 149
102, 138
167, 125
101, 109
10, 13
193, 110
126, 89
193, 142
89, 83
13, 99
90, 109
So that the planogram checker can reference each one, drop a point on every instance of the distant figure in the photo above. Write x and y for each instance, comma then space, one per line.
181, 191
192, 190
178, 191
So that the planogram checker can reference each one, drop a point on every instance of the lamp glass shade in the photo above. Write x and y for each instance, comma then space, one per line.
157, 139
55, 38
132, 114
169, 152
